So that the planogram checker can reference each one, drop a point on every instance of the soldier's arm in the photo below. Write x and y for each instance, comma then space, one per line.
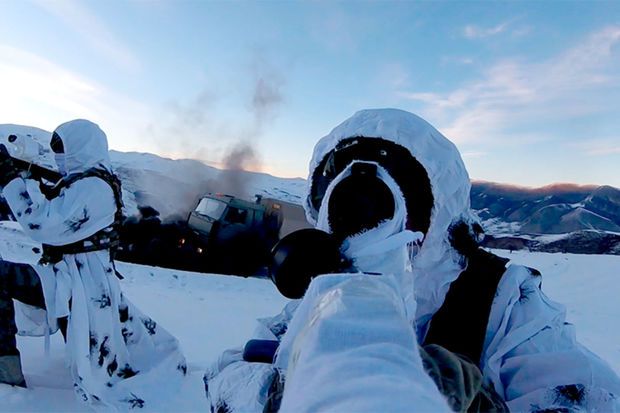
77, 212
533, 356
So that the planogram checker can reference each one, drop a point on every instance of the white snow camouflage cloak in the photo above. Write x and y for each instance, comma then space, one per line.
119, 358
530, 354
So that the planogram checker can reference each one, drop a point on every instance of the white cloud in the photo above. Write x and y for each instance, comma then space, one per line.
511, 93
437, 100
522, 31
475, 32
93, 30
508, 27
40, 93
599, 147
473, 154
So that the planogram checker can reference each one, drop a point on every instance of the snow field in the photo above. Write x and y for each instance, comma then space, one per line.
210, 313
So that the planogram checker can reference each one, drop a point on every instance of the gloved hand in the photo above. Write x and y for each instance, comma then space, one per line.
460, 381
7, 168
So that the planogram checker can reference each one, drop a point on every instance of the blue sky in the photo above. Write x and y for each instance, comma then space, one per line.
529, 91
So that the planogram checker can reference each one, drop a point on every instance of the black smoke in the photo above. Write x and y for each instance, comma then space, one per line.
233, 179
238, 250
145, 239
198, 129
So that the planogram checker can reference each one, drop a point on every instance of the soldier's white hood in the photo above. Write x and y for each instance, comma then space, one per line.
85, 144
437, 264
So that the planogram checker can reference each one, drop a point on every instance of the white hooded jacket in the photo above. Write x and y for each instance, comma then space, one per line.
120, 358
530, 354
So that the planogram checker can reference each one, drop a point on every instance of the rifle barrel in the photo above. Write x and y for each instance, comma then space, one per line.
37, 171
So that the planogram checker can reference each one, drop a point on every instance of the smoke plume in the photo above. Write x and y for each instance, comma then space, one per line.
202, 129
267, 97
239, 159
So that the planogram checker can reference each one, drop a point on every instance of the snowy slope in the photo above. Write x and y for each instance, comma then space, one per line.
209, 313
172, 186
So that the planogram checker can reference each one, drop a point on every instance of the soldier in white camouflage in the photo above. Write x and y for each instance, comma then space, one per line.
119, 358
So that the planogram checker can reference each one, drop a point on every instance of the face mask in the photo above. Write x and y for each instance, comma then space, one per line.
389, 250
386, 246
359, 202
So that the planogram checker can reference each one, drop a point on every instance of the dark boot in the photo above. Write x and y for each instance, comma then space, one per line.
11, 371
21, 282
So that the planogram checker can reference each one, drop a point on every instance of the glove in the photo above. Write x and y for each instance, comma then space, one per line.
460, 381
8, 172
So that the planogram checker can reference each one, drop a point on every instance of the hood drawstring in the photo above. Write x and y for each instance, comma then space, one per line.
353, 249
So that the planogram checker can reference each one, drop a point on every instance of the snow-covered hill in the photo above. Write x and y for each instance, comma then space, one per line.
172, 186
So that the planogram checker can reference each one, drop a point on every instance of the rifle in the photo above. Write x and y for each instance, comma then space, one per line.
35, 171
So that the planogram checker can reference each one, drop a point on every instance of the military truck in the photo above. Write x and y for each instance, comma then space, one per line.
234, 235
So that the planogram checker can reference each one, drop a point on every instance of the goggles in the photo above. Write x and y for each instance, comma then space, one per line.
408, 173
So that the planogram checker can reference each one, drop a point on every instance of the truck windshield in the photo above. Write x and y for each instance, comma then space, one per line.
211, 208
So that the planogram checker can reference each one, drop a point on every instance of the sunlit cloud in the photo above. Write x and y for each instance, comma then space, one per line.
75, 15
202, 128
599, 147
511, 93
37, 92
437, 100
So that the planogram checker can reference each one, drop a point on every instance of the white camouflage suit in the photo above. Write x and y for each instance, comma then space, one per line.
119, 358
530, 354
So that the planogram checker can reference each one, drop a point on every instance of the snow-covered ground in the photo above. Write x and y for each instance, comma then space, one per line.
209, 313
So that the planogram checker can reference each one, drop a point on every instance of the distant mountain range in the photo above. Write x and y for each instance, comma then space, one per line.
554, 218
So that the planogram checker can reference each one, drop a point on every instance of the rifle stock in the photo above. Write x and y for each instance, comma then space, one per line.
37, 172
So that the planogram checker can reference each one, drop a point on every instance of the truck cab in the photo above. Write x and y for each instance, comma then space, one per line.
220, 216
224, 228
